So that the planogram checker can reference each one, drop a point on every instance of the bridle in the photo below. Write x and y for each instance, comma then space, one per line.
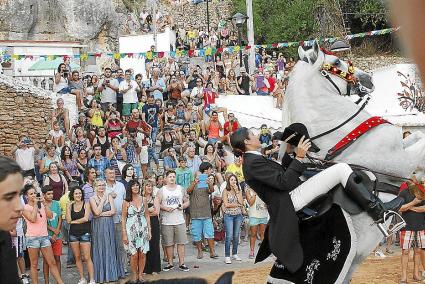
348, 76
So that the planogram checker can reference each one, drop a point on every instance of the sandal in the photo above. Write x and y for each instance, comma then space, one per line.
215, 256
200, 256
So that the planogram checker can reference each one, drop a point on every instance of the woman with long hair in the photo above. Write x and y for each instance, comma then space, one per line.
211, 156
56, 180
80, 141
36, 214
96, 114
70, 165
232, 208
82, 162
153, 257
105, 259
280, 188
136, 232
128, 174
48, 159
78, 218
232, 83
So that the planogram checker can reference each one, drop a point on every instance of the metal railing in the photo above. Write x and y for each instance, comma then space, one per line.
41, 81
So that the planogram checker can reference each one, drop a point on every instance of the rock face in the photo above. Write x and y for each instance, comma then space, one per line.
24, 110
94, 22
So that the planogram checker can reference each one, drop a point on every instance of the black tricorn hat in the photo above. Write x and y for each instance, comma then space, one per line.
297, 131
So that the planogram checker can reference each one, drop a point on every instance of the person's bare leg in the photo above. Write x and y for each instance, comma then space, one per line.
253, 238
48, 255
416, 263
75, 246
211, 246
134, 261
33, 255
142, 262
180, 253
169, 252
45, 271
85, 247
21, 265
404, 263
262, 230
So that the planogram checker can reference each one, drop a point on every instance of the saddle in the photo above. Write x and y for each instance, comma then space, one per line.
337, 196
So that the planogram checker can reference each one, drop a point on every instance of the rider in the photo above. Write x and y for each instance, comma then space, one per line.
280, 188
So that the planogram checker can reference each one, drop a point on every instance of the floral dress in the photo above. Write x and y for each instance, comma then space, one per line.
137, 230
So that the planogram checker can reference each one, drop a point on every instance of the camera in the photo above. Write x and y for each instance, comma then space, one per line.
65, 74
26, 141
38, 195
107, 81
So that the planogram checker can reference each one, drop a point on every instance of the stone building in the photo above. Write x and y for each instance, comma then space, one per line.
24, 110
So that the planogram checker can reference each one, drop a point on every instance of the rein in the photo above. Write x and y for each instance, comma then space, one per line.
343, 123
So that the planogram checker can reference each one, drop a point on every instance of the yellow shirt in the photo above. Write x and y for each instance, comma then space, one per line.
237, 171
63, 202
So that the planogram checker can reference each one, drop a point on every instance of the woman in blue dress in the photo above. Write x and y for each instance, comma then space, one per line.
105, 260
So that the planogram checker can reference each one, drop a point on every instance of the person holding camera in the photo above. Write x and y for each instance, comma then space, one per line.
244, 82
60, 83
108, 87
36, 214
24, 153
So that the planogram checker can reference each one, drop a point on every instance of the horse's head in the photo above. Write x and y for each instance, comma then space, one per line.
346, 79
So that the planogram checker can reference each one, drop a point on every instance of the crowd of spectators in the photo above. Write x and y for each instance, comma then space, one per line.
144, 166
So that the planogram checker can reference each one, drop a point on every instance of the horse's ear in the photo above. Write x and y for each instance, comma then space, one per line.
318, 56
302, 54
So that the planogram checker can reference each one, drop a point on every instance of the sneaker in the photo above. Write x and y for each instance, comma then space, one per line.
168, 267
251, 255
236, 257
379, 253
227, 260
92, 281
82, 281
184, 268
25, 279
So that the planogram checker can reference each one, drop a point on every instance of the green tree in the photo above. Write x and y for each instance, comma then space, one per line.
282, 20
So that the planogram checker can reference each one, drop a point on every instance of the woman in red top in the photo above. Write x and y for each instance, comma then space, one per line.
230, 126
210, 95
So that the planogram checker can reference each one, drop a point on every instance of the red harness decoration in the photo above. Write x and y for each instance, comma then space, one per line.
351, 137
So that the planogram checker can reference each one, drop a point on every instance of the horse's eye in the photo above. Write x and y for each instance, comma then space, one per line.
337, 62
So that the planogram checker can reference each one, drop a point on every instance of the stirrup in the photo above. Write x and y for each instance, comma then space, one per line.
395, 228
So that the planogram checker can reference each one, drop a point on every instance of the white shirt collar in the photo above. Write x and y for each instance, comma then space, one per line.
253, 152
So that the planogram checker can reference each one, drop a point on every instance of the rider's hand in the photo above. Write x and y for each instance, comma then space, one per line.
302, 148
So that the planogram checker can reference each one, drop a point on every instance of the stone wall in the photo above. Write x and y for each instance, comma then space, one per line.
24, 110
196, 14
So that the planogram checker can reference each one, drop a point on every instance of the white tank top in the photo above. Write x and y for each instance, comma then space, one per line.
63, 83
258, 209
172, 198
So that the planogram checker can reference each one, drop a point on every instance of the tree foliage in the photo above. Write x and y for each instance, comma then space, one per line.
281, 20
288, 20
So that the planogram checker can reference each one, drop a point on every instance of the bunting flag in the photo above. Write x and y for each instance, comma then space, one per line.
208, 51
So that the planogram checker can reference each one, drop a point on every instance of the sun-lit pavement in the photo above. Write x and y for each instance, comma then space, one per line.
198, 267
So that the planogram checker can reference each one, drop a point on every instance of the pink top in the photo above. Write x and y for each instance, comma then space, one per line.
214, 130
39, 228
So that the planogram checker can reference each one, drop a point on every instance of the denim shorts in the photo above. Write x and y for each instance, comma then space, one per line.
86, 238
202, 227
253, 221
38, 242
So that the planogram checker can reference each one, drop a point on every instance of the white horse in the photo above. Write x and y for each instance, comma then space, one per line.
314, 101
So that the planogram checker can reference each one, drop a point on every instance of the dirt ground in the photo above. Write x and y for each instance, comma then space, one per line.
373, 271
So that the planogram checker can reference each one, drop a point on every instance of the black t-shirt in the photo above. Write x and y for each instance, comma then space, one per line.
8, 267
244, 85
415, 221
192, 83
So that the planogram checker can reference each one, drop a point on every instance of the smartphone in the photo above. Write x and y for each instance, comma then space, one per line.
203, 181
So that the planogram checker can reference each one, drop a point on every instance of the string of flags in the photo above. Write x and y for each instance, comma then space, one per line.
209, 51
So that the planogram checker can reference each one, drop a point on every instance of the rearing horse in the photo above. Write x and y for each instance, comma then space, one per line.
315, 97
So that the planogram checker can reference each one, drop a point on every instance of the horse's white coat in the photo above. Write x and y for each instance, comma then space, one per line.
314, 101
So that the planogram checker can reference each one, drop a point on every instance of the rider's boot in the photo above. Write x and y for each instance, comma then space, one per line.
368, 201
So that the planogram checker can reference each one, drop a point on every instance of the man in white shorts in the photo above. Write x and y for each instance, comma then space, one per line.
172, 199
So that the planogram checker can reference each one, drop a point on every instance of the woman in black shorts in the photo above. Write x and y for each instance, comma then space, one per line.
77, 215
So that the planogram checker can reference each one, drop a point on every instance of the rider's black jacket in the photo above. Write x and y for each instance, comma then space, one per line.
272, 182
